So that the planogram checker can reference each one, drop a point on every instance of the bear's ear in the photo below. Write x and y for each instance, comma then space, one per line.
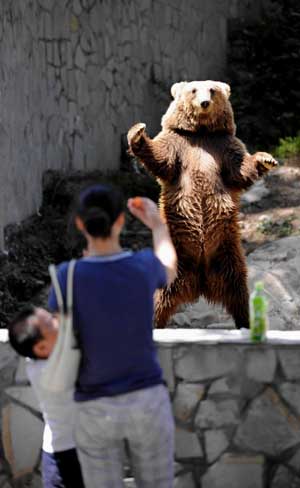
177, 88
224, 87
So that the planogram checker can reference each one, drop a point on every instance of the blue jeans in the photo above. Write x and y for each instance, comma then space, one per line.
61, 470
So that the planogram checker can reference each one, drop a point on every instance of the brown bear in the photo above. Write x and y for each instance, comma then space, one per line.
202, 169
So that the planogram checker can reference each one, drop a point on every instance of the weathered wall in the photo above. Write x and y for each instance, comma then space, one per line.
236, 407
75, 74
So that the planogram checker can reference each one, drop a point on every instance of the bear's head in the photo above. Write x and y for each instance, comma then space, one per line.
200, 104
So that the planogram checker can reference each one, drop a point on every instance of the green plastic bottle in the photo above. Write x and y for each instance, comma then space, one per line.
258, 313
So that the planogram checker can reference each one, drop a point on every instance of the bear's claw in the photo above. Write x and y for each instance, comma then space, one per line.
135, 133
266, 160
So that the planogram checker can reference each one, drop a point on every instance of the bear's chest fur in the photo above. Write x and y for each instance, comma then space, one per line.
198, 207
198, 195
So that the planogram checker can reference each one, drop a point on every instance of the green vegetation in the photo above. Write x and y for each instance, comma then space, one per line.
288, 147
280, 228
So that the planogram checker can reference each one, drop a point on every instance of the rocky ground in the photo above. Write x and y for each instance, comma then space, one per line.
270, 211
275, 211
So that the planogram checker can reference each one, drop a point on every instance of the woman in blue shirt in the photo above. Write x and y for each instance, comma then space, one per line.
120, 392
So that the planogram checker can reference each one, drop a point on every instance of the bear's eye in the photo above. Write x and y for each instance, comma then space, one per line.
212, 92
194, 90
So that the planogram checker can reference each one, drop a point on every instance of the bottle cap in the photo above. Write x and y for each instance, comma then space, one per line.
259, 286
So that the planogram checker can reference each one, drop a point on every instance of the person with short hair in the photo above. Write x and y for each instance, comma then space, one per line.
120, 392
33, 333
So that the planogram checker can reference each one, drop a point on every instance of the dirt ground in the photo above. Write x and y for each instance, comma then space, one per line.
49, 236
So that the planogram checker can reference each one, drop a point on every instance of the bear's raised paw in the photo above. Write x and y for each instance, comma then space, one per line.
135, 133
266, 160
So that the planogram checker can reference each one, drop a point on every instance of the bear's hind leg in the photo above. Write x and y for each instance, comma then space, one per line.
227, 282
237, 300
183, 290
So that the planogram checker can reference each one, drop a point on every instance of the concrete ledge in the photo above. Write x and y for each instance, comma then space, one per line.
173, 337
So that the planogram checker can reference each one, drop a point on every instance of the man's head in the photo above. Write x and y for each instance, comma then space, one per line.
33, 332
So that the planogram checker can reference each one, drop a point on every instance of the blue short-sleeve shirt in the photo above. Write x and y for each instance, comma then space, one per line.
112, 316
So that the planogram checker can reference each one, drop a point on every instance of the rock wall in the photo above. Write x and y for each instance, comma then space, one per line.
76, 74
236, 407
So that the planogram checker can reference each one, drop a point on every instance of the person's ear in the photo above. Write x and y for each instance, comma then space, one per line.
42, 349
121, 219
79, 224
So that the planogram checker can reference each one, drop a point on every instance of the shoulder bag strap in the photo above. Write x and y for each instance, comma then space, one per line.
69, 300
70, 278
56, 286
57, 289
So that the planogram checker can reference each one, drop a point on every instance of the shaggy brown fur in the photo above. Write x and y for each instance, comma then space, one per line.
202, 169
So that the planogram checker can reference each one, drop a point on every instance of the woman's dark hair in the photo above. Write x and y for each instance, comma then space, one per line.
23, 335
99, 206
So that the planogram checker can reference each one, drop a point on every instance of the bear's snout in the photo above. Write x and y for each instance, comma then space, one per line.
202, 104
205, 104
202, 100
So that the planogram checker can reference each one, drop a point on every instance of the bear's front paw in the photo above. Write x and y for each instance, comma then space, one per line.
266, 160
136, 133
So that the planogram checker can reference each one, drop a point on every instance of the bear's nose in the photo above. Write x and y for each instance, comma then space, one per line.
205, 104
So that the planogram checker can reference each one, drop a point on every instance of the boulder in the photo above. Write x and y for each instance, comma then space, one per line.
257, 192
235, 471
269, 427
215, 443
277, 264
187, 445
284, 478
186, 399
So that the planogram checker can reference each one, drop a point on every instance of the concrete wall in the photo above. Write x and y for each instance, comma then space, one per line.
74, 75
236, 407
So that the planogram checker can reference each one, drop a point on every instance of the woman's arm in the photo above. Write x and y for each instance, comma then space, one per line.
146, 211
